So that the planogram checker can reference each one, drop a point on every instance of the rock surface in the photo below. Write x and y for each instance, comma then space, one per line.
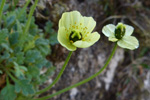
125, 78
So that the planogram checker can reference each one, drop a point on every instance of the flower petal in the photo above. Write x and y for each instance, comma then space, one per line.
129, 30
65, 20
82, 44
70, 19
90, 40
109, 30
89, 24
63, 40
93, 37
75, 17
129, 42
113, 39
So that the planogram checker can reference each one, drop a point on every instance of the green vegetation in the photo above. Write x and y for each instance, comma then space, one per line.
23, 51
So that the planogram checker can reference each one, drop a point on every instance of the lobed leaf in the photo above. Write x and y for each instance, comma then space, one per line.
19, 70
43, 46
48, 27
20, 57
8, 93
10, 20
3, 35
24, 86
13, 38
32, 55
53, 39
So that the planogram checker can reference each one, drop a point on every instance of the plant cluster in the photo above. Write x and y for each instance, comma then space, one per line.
23, 51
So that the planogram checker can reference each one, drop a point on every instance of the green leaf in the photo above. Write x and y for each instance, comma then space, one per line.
41, 41
5, 56
24, 86
29, 45
3, 35
50, 71
8, 93
53, 39
31, 56
6, 7
43, 46
33, 72
44, 50
48, 27
21, 15
33, 27
6, 47
30, 42
41, 62
22, 97
49, 64
10, 20
1, 72
19, 27
13, 38
19, 70
20, 57
44, 77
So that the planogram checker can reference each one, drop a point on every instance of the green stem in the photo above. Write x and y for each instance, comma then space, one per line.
15, 2
84, 81
7, 80
13, 78
30, 17
1, 9
59, 75
24, 8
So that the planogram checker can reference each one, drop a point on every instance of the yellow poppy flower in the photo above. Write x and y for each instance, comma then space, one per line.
122, 35
75, 31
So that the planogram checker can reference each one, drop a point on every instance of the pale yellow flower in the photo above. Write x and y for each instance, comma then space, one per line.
122, 35
75, 31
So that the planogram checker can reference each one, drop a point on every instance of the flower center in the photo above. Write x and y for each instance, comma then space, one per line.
120, 31
75, 36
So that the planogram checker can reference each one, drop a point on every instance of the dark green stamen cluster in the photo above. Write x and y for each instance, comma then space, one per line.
120, 31
75, 36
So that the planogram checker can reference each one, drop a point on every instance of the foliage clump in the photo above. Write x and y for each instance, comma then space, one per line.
23, 54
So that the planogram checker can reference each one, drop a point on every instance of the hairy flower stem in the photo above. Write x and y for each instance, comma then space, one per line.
85, 80
30, 17
59, 75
